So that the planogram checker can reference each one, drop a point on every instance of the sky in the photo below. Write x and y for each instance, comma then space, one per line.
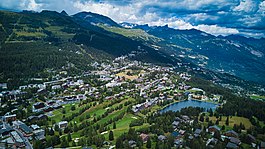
217, 17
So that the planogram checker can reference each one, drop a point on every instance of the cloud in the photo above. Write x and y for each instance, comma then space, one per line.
217, 17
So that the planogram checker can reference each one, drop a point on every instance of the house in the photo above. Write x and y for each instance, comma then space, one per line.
42, 117
132, 143
38, 106
32, 118
23, 127
231, 145
5, 131
231, 133
213, 129
10, 118
55, 87
3, 85
235, 140
34, 127
175, 134
62, 124
197, 132
161, 137
175, 124
251, 138
39, 134
144, 137
262, 145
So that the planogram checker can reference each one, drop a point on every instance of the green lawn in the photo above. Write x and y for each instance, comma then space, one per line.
234, 120
257, 97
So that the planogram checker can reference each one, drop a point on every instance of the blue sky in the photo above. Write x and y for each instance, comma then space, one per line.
217, 17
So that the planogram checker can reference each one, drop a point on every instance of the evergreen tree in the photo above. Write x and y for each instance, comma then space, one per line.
69, 138
111, 136
114, 125
149, 143
227, 120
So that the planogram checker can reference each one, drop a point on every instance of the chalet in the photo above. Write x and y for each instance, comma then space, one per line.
34, 127
38, 106
48, 109
213, 129
161, 137
3, 85
262, 145
251, 138
32, 118
55, 87
231, 145
62, 124
132, 143
175, 124
39, 134
5, 131
42, 117
175, 134
197, 132
231, 133
10, 118
144, 137
235, 140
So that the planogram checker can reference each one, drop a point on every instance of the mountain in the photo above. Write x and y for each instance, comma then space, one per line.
34, 43
94, 18
64, 13
237, 55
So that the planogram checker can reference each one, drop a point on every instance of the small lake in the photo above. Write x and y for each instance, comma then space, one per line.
189, 103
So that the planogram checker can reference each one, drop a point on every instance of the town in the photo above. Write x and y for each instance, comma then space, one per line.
121, 104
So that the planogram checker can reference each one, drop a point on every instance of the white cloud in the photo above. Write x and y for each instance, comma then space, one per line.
246, 6
178, 14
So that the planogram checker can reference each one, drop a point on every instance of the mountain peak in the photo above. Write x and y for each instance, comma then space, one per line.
64, 13
95, 18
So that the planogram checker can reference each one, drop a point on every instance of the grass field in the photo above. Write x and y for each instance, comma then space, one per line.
233, 120
136, 33
257, 97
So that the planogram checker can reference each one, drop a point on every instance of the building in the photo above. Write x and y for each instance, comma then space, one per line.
144, 137
213, 129
197, 132
17, 139
39, 134
231, 133
27, 131
10, 118
62, 124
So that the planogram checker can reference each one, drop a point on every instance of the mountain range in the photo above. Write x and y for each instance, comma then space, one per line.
35, 42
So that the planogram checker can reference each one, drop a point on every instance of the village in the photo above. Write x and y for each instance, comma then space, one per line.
122, 91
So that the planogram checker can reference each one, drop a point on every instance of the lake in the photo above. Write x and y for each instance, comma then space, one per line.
189, 103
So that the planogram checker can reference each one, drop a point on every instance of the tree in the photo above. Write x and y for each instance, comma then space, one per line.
201, 118
149, 143
69, 138
217, 122
227, 120
223, 127
38, 145
114, 125
111, 136
64, 142
211, 112
73, 107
